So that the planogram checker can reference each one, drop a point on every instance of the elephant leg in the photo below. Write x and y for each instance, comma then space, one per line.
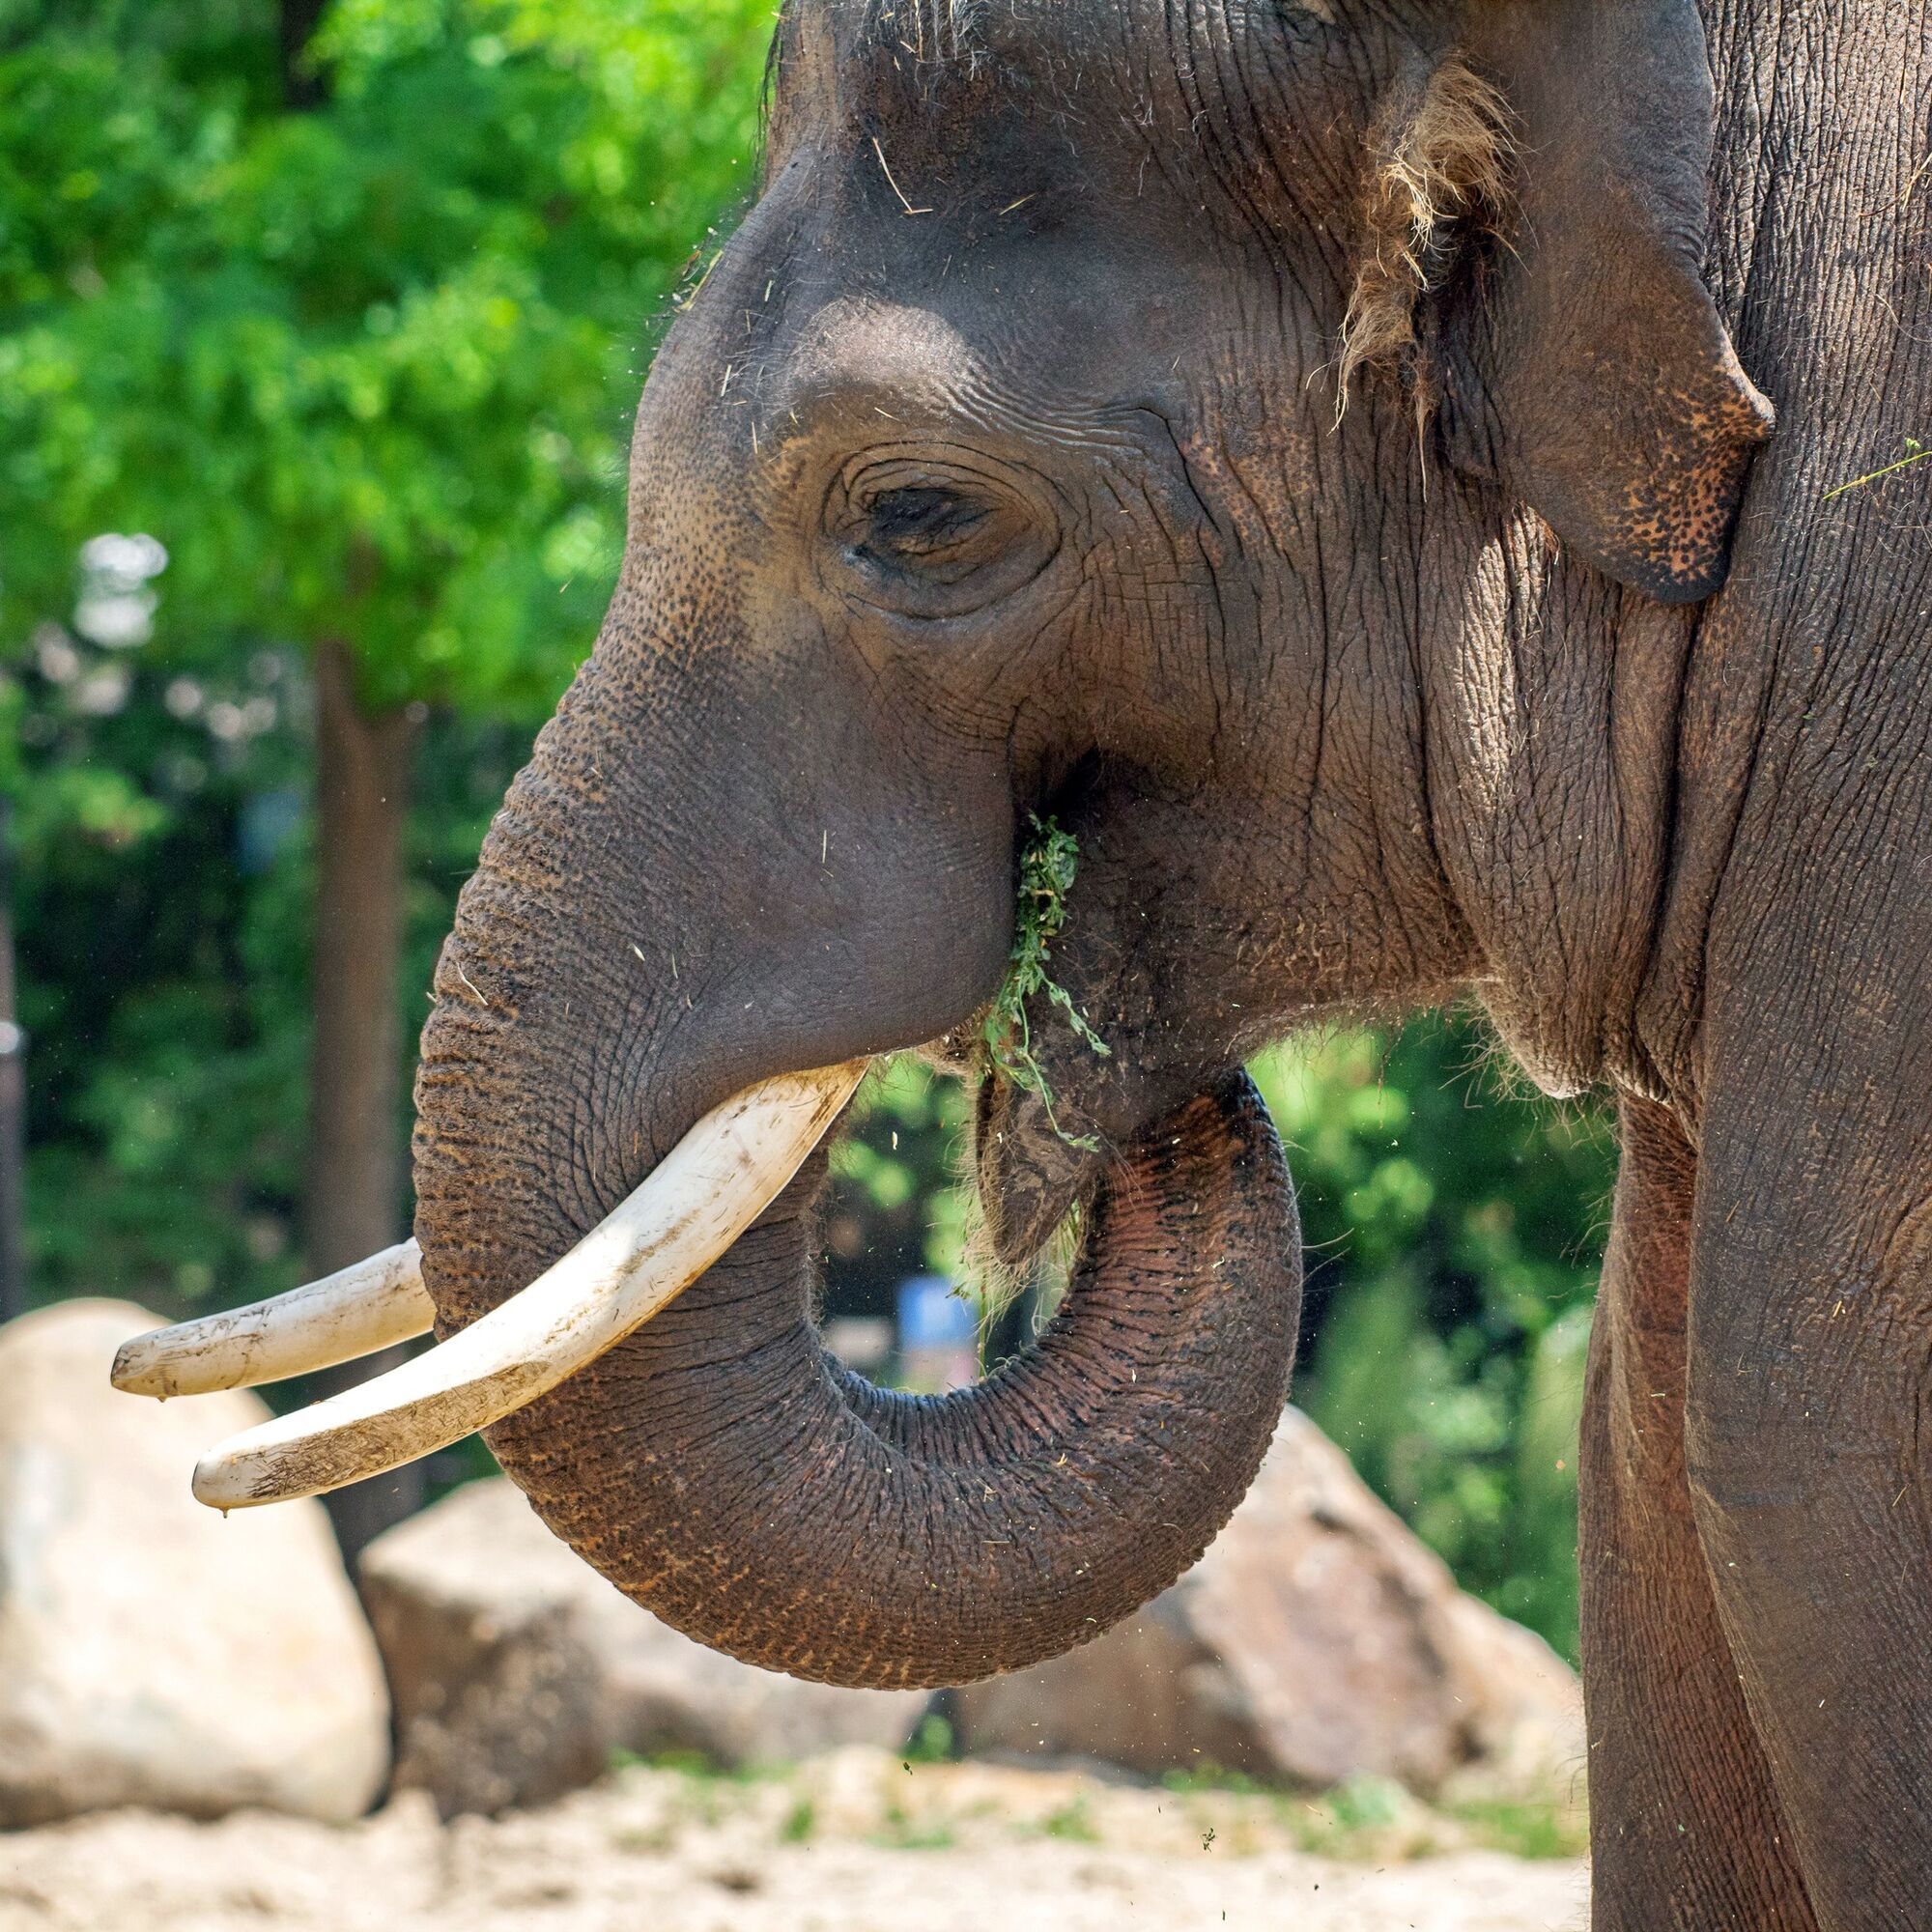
1685, 1826
1809, 1440
1807, 1436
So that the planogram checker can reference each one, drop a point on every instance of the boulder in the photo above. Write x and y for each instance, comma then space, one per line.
151, 1651
517, 1671
1315, 1640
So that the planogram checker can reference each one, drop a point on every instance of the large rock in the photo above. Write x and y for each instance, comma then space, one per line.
151, 1651
1316, 1639
517, 1670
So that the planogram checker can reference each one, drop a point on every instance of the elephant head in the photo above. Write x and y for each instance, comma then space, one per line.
1115, 410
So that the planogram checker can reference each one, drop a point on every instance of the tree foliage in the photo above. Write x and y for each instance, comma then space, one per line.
364, 370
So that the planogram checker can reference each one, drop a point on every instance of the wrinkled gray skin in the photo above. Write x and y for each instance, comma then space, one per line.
996, 470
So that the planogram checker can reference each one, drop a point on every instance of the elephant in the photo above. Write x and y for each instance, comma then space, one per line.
1302, 452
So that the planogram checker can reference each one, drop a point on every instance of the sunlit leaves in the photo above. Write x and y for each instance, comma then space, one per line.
1454, 1246
365, 370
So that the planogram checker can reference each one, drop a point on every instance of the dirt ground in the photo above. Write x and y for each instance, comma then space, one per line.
853, 1842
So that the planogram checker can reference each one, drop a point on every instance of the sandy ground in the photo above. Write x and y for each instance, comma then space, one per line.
856, 1842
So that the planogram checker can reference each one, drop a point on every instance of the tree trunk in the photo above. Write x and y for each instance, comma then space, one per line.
355, 1183
303, 87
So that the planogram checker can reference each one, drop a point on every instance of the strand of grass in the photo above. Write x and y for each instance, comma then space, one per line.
1916, 457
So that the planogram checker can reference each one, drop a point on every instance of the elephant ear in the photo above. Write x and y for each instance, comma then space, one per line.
1586, 367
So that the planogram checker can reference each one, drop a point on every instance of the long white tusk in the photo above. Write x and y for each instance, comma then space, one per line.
353, 1312
697, 1200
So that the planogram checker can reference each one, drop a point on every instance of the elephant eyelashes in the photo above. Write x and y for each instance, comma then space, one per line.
928, 529
925, 541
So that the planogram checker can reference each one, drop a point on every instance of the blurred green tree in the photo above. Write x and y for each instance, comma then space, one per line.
1455, 1225
345, 305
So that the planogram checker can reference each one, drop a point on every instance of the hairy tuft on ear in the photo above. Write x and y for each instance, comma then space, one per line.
1440, 150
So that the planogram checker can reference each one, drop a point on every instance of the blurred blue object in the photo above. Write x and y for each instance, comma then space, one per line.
933, 1314
939, 1331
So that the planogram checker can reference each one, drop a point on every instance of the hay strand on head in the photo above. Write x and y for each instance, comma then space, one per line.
1441, 155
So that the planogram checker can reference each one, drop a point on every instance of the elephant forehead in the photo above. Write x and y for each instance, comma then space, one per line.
965, 91
938, 36
875, 369
926, 54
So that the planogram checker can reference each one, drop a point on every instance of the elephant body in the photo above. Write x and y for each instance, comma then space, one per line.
1321, 453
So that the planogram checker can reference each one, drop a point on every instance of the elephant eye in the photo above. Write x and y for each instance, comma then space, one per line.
933, 529
926, 540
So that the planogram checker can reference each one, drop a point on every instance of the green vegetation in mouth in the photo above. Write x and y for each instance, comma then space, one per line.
1048, 862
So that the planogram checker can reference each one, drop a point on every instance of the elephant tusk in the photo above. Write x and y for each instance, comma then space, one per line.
353, 1312
696, 1202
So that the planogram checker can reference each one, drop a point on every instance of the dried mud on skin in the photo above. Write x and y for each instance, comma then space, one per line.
856, 1841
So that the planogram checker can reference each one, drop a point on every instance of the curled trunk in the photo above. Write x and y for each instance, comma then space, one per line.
746, 1488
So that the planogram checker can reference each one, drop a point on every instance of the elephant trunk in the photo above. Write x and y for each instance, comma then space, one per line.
714, 1462
749, 1489
605, 987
